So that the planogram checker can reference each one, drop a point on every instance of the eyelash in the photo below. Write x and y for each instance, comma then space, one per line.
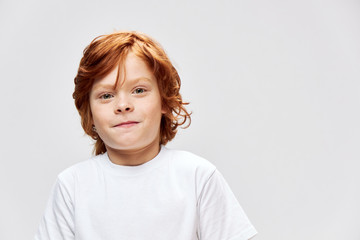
106, 96
143, 90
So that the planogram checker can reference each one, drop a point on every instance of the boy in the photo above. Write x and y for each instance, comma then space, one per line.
127, 94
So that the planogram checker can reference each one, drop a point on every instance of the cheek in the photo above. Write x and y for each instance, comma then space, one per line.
98, 113
153, 108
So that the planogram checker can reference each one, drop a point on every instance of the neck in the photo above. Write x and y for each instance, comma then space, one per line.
133, 157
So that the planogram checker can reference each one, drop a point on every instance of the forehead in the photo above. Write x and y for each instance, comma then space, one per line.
132, 69
135, 67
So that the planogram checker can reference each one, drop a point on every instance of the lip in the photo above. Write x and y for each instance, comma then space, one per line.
126, 124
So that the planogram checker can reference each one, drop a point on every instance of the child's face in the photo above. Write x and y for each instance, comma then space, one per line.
127, 118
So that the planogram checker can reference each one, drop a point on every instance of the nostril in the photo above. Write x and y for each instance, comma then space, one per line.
127, 109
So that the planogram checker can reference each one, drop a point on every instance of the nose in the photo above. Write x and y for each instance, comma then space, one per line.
124, 106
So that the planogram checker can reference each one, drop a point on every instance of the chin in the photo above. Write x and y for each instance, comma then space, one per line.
132, 142
126, 145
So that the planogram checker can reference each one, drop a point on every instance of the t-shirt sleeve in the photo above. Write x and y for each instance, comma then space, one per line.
58, 219
220, 214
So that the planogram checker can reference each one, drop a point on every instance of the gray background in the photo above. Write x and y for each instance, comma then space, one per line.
274, 90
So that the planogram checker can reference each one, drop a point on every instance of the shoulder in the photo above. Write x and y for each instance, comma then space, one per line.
190, 163
189, 159
80, 169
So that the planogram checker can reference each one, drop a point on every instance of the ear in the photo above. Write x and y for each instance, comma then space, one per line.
163, 110
92, 122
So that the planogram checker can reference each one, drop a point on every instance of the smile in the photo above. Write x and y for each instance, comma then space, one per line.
127, 124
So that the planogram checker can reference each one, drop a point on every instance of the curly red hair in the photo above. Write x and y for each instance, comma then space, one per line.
106, 52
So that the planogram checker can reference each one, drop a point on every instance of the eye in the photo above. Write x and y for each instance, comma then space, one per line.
139, 91
106, 96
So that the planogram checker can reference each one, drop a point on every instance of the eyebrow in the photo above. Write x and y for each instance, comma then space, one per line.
111, 86
106, 86
136, 80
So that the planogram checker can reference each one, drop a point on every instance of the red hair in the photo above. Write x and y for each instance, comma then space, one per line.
106, 52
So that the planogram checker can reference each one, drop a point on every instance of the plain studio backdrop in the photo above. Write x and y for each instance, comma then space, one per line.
274, 90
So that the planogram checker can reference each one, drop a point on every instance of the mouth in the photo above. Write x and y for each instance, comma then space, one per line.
126, 124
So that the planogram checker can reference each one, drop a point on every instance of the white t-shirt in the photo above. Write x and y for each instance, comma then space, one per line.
176, 195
